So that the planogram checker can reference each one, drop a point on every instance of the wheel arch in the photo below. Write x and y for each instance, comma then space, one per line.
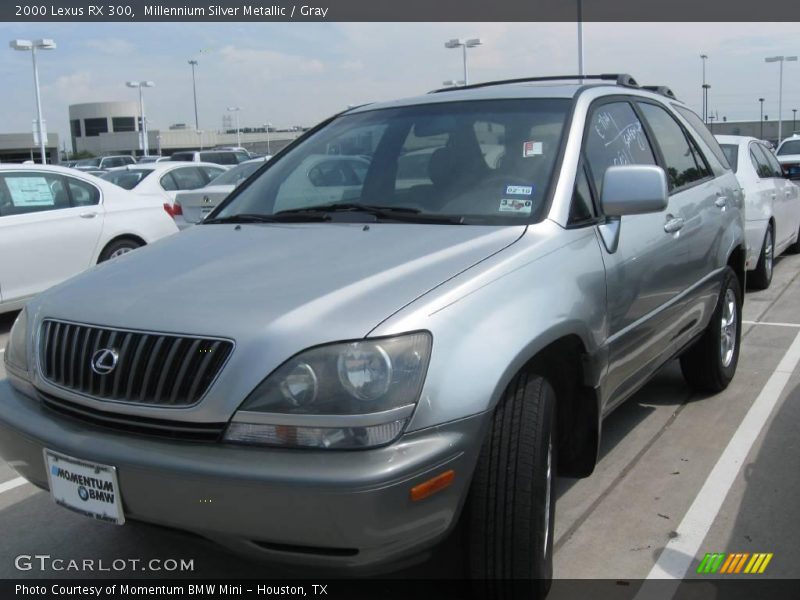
737, 260
119, 238
574, 374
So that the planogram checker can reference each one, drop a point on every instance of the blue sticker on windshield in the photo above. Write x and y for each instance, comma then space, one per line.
519, 190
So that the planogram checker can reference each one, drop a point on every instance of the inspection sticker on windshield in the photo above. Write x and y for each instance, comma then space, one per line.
531, 148
515, 206
519, 190
88, 488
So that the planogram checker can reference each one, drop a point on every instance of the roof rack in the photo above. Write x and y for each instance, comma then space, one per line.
660, 89
618, 78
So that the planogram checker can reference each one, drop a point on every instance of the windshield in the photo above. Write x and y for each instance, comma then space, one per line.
731, 152
237, 174
127, 179
88, 162
480, 162
792, 147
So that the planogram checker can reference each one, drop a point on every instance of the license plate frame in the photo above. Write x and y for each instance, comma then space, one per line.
85, 487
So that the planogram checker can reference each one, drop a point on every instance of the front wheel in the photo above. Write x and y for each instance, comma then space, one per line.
709, 364
511, 505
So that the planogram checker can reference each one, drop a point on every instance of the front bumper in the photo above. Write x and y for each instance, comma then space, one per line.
321, 508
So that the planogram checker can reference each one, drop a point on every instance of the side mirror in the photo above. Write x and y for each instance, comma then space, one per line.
633, 190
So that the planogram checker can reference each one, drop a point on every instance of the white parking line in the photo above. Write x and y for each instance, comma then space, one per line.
680, 551
771, 324
14, 483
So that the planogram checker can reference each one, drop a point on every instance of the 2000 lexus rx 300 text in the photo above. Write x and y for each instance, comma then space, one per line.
422, 342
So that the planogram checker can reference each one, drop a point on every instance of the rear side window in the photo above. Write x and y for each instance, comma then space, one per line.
82, 193
615, 137
772, 162
683, 161
708, 138
731, 152
760, 162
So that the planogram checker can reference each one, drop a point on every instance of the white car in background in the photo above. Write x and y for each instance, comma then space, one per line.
193, 206
789, 156
164, 179
772, 205
57, 222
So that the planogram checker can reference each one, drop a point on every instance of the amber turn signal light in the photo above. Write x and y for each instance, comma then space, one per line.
433, 485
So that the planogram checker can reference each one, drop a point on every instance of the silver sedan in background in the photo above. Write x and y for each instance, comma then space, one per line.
191, 207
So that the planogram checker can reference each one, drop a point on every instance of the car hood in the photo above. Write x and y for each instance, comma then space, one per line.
312, 282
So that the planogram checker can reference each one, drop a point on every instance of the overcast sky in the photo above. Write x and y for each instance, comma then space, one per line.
298, 73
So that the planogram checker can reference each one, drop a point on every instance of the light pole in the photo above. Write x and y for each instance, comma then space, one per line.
267, 126
463, 44
794, 121
781, 60
194, 91
33, 46
236, 109
143, 129
761, 119
200, 137
704, 57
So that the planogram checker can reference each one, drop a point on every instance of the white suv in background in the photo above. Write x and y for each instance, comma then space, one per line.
56, 222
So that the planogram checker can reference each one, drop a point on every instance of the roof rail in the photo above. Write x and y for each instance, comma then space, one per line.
660, 89
618, 78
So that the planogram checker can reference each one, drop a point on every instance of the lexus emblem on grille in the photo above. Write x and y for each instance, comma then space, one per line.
206, 200
104, 361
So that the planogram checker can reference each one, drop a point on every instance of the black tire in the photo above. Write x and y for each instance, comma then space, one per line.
117, 248
761, 277
511, 505
703, 365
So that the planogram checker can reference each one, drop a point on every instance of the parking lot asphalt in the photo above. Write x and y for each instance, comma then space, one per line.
680, 475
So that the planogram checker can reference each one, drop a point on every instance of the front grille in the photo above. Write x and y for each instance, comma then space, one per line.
151, 368
177, 430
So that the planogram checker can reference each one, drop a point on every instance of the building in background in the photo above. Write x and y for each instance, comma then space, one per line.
103, 128
19, 147
753, 128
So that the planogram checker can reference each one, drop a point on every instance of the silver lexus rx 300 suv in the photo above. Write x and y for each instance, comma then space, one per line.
409, 320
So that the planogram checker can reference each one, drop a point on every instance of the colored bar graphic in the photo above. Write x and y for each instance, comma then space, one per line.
734, 563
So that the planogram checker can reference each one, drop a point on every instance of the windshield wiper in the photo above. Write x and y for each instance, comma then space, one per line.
259, 218
395, 213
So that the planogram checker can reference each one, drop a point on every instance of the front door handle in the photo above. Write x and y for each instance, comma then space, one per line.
721, 201
88, 215
674, 225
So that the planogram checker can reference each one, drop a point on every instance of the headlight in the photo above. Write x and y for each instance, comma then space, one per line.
348, 395
16, 354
